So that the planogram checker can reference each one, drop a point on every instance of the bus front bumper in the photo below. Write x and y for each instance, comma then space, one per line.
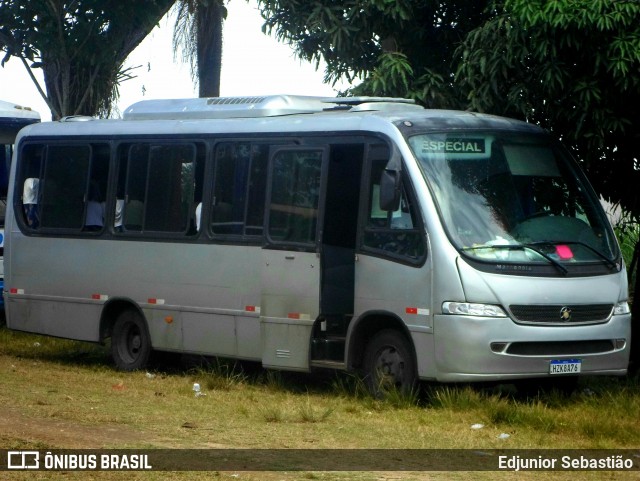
469, 349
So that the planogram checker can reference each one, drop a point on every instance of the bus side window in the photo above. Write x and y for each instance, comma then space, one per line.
64, 187
159, 186
393, 233
295, 195
170, 188
230, 188
55, 181
239, 189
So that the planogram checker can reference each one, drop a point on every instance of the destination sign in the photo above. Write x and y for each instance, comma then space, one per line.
454, 146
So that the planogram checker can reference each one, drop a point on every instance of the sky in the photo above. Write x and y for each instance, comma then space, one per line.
252, 64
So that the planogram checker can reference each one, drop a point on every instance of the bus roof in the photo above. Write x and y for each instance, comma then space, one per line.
274, 114
265, 106
12, 118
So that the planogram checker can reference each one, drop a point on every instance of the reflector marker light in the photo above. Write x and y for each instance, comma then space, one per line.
255, 309
417, 311
99, 297
13, 290
298, 315
153, 300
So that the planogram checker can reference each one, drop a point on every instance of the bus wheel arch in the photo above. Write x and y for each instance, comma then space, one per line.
380, 334
126, 325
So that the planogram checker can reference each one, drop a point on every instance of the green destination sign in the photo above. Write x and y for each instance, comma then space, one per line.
454, 146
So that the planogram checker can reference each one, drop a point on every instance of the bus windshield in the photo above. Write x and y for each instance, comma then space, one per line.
513, 198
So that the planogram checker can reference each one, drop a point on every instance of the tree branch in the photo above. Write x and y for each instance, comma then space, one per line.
54, 111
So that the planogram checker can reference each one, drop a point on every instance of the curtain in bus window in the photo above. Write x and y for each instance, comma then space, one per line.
293, 212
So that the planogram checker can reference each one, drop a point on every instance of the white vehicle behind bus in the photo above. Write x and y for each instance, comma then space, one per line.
364, 234
12, 118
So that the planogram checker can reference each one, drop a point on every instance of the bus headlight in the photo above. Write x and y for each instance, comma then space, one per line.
469, 309
621, 308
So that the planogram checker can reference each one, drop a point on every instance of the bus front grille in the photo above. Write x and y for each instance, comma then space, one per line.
562, 314
560, 348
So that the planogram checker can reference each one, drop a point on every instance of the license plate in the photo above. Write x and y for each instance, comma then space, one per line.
565, 366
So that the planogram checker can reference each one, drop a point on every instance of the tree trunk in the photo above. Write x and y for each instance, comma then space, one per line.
82, 68
209, 29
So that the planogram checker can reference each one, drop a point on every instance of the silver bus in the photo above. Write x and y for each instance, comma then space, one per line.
12, 118
364, 234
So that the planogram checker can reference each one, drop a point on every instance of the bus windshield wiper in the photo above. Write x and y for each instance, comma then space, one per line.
517, 247
599, 254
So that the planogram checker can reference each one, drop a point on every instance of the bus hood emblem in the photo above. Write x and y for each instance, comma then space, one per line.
565, 314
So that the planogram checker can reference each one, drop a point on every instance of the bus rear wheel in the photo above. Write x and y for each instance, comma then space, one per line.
388, 365
130, 342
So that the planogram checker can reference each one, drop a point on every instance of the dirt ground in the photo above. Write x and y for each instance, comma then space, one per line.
62, 433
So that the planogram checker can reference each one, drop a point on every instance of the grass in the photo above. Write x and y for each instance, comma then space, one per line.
627, 233
71, 387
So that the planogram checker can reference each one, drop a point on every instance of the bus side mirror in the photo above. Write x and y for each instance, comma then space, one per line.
390, 190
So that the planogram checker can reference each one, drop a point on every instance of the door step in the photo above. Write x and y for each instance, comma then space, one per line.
330, 348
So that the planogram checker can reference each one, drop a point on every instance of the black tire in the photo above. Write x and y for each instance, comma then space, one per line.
130, 342
389, 365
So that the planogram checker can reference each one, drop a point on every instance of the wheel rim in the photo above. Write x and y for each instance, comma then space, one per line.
389, 367
131, 343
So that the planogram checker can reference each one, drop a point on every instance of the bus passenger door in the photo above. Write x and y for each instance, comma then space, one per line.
291, 261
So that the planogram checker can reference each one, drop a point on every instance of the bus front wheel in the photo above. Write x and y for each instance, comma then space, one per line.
388, 364
130, 342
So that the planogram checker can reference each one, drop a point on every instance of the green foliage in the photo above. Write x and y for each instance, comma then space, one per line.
80, 46
628, 234
399, 48
572, 66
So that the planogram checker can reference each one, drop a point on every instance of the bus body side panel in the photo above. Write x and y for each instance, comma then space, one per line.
190, 304
229, 292
384, 285
49, 316
55, 306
